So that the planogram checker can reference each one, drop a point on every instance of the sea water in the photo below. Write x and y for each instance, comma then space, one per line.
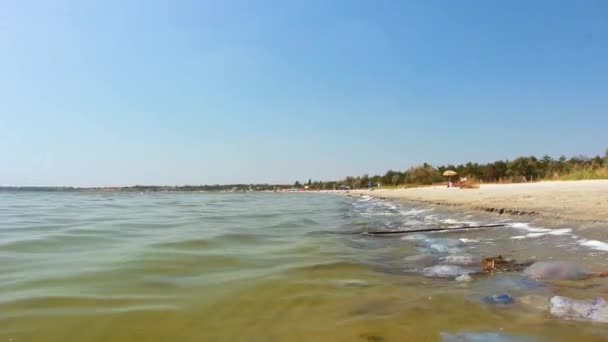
94, 266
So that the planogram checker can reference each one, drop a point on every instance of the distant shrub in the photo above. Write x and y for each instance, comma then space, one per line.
586, 173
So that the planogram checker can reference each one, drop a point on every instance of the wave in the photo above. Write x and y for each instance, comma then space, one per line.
594, 244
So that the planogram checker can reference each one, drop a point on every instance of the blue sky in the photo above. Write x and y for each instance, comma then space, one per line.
191, 92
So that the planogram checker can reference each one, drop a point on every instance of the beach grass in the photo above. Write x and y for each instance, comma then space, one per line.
586, 173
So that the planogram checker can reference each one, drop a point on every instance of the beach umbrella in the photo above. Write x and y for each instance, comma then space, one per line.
449, 174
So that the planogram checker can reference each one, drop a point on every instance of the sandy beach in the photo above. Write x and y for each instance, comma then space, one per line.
571, 200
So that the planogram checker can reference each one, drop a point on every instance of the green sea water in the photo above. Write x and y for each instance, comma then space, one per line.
254, 267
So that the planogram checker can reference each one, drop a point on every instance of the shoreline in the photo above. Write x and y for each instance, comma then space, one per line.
584, 201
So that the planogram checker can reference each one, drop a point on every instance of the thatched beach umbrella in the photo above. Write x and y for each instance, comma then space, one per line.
449, 174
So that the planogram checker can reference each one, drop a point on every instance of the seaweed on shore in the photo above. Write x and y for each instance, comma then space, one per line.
501, 264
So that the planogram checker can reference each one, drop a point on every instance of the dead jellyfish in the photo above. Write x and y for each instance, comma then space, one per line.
557, 270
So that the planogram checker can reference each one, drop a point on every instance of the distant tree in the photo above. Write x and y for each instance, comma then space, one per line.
309, 182
297, 184
546, 159
489, 173
349, 181
365, 180
501, 168
423, 174
546, 165
388, 177
376, 179
519, 168
597, 162
559, 166
525, 168
396, 179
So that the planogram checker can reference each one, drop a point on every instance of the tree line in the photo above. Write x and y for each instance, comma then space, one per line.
521, 169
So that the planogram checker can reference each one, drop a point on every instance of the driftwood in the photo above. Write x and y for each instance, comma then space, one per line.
434, 229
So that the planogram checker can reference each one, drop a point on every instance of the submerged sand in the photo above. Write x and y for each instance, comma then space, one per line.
571, 200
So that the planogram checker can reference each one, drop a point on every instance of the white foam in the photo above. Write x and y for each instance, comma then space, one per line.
555, 232
526, 227
562, 231
594, 244
533, 235
520, 225
378, 214
414, 237
414, 212
465, 240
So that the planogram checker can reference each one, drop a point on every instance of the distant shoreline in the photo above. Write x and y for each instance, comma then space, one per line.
153, 188
582, 201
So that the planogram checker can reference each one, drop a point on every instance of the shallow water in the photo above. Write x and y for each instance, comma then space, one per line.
266, 267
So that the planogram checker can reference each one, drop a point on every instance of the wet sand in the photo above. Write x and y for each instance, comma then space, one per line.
584, 201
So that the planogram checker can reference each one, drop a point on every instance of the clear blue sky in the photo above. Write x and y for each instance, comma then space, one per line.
192, 92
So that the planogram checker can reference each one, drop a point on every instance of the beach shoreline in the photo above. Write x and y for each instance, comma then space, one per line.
583, 201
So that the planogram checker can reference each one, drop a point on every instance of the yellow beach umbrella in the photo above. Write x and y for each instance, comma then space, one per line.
449, 174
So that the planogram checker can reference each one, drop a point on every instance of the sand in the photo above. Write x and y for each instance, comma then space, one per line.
585, 201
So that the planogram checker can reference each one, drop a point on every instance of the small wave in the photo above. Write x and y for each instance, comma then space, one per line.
378, 214
390, 205
331, 267
413, 212
526, 227
238, 238
413, 223
563, 231
68, 302
533, 235
594, 244
184, 244
414, 237
241, 216
554, 232
295, 223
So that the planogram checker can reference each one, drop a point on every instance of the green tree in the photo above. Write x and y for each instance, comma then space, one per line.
546, 165
376, 179
396, 179
423, 174
597, 162
520, 168
349, 181
501, 168
490, 173
365, 180
388, 177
